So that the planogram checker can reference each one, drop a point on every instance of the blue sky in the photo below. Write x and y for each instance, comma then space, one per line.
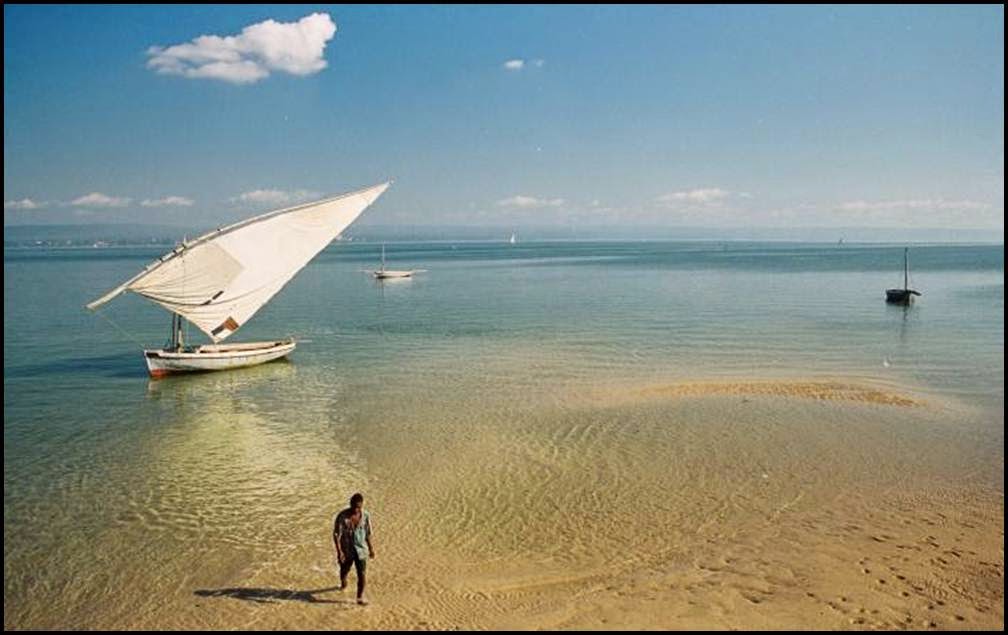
515, 115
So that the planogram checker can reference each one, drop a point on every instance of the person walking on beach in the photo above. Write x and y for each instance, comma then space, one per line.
352, 537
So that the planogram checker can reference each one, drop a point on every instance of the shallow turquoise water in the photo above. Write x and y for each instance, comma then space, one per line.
616, 307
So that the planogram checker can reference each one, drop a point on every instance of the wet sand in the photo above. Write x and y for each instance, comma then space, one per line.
823, 390
804, 504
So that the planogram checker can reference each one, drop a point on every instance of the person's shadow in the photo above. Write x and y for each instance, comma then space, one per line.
270, 596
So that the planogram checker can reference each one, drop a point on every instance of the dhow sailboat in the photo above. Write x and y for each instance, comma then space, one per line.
221, 279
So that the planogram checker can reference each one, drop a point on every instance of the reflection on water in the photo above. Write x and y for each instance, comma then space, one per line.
905, 313
216, 474
393, 282
392, 285
206, 384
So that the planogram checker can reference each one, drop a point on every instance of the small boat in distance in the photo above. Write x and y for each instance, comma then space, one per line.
513, 239
383, 273
906, 294
221, 279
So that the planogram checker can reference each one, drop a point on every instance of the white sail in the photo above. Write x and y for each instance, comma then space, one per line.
219, 280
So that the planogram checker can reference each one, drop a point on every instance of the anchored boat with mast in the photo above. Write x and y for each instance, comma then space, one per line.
221, 279
384, 274
906, 294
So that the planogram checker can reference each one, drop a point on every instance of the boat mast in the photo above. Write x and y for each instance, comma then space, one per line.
176, 336
906, 268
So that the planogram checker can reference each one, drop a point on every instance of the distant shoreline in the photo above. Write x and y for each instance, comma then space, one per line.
141, 235
127, 244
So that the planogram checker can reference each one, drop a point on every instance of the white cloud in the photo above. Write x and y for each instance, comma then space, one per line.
868, 207
97, 199
274, 197
530, 202
518, 64
25, 203
290, 47
168, 201
706, 196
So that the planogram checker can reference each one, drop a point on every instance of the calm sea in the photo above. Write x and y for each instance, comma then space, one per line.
117, 488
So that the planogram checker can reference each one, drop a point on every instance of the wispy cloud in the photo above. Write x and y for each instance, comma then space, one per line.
704, 206
23, 204
290, 47
868, 207
97, 199
703, 196
168, 201
274, 197
529, 202
597, 207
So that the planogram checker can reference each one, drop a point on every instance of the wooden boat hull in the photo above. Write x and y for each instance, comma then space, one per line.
210, 357
381, 275
900, 296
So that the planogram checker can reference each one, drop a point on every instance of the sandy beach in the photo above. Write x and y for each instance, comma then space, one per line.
766, 504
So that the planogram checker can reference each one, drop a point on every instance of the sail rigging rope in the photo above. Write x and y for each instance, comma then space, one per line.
121, 329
